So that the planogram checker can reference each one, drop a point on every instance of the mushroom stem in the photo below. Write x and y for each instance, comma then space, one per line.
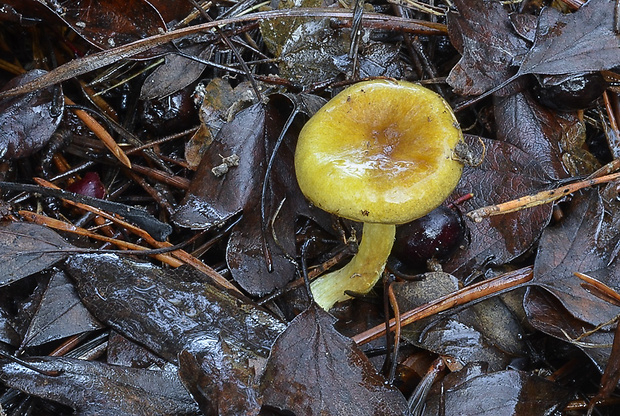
362, 272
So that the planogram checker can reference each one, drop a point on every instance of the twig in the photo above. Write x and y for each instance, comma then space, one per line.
476, 292
540, 198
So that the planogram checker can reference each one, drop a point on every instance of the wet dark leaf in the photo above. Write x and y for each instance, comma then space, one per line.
583, 41
176, 73
214, 198
314, 370
60, 314
536, 130
27, 248
27, 122
506, 173
611, 375
104, 24
124, 352
380, 60
94, 388
502, 393
482, 32
223, 387
262, 244
310, 50
262, 248
252, 251
572, 246
546, 314
170, 311
8, 332
524, 25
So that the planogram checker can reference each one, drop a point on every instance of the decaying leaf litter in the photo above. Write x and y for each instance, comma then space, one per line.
190, 123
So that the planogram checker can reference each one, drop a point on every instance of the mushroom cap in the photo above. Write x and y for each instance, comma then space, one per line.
380, 151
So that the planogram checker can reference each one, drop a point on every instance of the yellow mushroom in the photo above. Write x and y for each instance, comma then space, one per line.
382, 153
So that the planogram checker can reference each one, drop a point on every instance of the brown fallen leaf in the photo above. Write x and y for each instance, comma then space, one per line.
315, 370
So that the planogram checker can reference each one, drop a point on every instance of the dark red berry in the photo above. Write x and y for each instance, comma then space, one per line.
89, 185
435, 235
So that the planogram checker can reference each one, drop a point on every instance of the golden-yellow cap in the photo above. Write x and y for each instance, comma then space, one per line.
380, 151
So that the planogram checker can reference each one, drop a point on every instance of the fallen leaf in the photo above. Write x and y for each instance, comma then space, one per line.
482, 32
176, 73
27, 122
60, 314
538, 131
27, 248
314, 370
486, 332
501, 393
95, 388
547, 314
583, 41
215, 384
171, 311
213, 198
124, 352
570, 247
505, 173
261, 185
103, 24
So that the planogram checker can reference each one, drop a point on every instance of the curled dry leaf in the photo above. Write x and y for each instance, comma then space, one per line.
220, 104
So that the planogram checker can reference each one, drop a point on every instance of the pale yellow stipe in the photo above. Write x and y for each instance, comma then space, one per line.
362, 272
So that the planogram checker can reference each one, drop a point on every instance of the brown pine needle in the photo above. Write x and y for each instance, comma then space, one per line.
68, 227
101, 133
181, 255
540, 198
599, 289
